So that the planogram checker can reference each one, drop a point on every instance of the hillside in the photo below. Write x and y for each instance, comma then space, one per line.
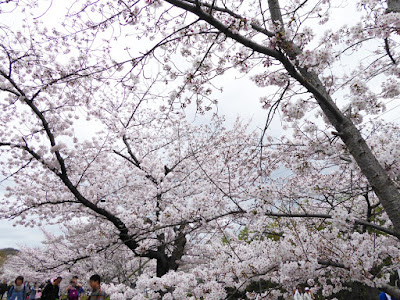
4, 253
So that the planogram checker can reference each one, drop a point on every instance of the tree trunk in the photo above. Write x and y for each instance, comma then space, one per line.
166, 263
393, 5
162, 265
383, 186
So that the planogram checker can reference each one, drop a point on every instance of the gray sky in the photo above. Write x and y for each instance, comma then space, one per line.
15, 237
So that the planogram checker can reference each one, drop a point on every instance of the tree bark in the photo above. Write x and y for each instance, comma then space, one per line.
383, 186
391, 290
393, 5
165, 262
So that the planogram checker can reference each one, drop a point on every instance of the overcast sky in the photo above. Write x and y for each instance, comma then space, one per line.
15, 237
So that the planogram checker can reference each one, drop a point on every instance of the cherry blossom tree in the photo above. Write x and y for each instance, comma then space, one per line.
319, 223
204, 204
66, 256
150, 175
277, 37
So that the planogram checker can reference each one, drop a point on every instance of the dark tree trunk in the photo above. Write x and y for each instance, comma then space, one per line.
167, 263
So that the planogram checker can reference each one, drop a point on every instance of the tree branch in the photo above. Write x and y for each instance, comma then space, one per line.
223, 28
327, 216
387, 48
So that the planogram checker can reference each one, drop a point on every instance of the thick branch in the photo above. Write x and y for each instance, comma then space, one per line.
391, 290
329, 263
275, 10
123, 230
393, 5
223, 28
387, 48
230, 12
327, 216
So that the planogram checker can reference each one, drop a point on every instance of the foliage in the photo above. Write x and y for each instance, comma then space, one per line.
96, 135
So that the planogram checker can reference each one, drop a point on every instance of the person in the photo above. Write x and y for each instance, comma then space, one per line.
307, 294
34, 289
3, 288
18, 290
52, 289
297, 294
39, 292
97, 293
72, 291
78, 286
28, 290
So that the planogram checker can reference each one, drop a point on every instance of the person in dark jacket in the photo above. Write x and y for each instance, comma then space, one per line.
3, 288
52, 290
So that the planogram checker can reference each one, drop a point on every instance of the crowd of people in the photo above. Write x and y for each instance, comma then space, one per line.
21, 290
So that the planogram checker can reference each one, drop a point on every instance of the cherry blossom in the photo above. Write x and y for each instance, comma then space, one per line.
96, 135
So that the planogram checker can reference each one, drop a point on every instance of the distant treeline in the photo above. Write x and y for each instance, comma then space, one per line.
4, 253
